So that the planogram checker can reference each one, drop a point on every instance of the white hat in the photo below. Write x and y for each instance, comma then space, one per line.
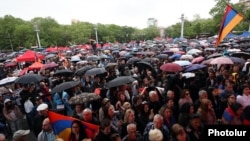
6, 100
20, 133
42, 106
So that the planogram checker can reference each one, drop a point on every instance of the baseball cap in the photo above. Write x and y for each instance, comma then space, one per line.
20, 133
42, 106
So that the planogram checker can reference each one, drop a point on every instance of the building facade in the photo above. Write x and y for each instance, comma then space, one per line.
152, 22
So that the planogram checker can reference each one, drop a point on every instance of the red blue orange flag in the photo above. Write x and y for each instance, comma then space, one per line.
62, 126
230, 19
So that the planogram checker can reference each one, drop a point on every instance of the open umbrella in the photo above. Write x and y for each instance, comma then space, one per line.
64, 86
221, 60
95, 71
7, 80
63, 72
82, 70
83, 98
118, 81
171, 67
194, 67
29, 78
93, 58
162, 56
182, 62
49, 65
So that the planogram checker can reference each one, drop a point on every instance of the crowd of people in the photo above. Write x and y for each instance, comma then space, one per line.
157, 106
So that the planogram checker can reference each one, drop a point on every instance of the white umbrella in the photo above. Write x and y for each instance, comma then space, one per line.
187, 57
8, 80
188, 74
182, 62
193, 51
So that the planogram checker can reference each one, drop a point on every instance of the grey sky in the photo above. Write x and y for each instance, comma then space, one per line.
121, 12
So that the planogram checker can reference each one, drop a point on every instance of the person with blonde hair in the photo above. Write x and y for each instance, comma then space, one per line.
155, 135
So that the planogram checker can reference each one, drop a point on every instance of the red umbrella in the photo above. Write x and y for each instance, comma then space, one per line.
36, 65
10, 64
171, 67
198, 59
222, 60
50, 65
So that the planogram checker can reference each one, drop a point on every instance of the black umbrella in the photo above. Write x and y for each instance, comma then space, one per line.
118, 81
133, 60
82, 70
63, 73
65, 86
95, 71
29, 78
93, 58
142, 65
83, 98
162, 56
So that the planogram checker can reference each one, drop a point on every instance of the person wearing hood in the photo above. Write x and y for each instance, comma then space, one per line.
13, 115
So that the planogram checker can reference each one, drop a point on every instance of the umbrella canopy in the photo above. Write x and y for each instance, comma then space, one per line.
187, 57
215, 55
29, 78
193, 51
64, 86
162, 56
95, 71
93, 58
83, 98
133, 60
194, 67
237, 60
7, 80
188, 75
182, 62
36, 65
222, 60
198, 59
50, 65
171, 67
63, 73
118, 81
82, 70
29, 56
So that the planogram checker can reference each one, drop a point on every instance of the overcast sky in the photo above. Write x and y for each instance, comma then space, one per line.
120, 12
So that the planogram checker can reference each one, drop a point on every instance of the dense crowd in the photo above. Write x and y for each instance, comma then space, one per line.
157, 106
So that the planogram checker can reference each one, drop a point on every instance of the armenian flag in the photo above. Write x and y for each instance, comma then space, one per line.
230, 19
62, 126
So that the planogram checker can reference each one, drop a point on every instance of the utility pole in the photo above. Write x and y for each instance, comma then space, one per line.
10, 42
37, 35
182, 25
96, 35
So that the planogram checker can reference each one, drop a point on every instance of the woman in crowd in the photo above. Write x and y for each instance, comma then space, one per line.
77, 131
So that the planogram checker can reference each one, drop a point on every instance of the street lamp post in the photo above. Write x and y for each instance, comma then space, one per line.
96, 36
37, 35
182, 25
10, 42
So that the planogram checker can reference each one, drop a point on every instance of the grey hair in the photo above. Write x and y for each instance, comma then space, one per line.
155, 135
130, 125
201, 92
151, 93
158, 116
87, 110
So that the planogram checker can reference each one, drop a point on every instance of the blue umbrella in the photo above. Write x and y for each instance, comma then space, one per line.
194, 67
175, 56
